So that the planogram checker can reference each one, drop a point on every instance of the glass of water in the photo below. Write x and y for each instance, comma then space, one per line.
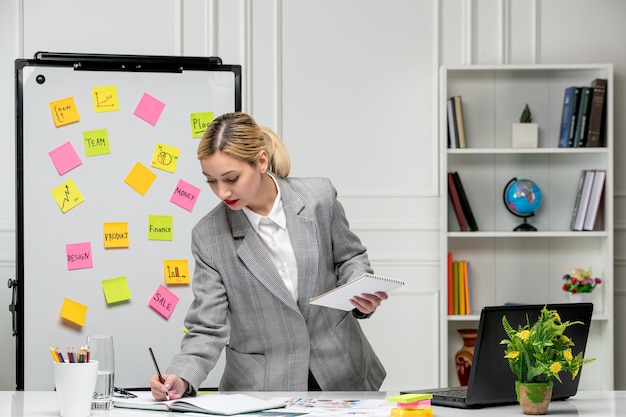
101, 350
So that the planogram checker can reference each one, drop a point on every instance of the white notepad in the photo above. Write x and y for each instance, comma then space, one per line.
339, 297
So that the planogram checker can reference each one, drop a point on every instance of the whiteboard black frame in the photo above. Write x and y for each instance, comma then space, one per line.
138, 64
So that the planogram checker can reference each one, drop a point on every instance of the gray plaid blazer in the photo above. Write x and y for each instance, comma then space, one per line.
242, 305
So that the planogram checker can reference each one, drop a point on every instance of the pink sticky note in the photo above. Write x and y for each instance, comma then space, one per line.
78, 256
149, 109
185, 195
163, 301
64, 158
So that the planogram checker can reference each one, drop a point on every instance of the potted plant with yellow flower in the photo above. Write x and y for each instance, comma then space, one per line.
537, 354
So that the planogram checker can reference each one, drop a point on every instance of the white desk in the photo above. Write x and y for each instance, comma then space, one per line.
585, 403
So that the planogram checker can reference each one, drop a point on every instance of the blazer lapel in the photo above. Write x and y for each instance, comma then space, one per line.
304, 239
254, 255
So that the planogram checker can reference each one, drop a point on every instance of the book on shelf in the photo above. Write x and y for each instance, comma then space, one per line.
459, 293
566, 117
596, 123
453, 134
597, 191
460, 124
582, 200
450, 285
573, 116
467, 209
580, 134
456, 203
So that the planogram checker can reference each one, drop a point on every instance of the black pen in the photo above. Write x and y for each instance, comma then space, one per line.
167, 395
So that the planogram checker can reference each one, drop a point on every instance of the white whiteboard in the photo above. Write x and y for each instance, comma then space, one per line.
44, 279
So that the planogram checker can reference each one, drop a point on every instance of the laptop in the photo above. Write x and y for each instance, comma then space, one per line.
491, 381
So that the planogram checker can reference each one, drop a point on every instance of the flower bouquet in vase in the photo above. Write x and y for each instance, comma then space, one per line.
537, 354
579, 284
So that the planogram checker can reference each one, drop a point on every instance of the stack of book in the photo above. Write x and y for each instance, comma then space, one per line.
459, 287
456, 126
582, 119
587, 213
460, 203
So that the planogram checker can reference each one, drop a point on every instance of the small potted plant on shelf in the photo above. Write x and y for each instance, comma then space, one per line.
579, 284
525, 134
537, 354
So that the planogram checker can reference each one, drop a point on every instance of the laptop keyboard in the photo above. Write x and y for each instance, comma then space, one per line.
460, 393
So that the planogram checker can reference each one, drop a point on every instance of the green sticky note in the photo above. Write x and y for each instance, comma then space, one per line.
199, 123
96, 142
116, 290
409, 398
160, 227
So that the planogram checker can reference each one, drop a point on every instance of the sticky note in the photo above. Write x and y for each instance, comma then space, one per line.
408, 398
96, 142
78, 256
105, 98
67, 196
163, 301
140, 178
64, 111
149, 109
165, 157
74, 311
398, 412
176, 271
160, 227
115, 235
199, 123
185, 195
116, 290
64, 158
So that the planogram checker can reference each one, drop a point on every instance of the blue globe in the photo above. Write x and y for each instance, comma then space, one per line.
522, 197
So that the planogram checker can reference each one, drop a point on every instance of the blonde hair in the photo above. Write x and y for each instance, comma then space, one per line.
239, 136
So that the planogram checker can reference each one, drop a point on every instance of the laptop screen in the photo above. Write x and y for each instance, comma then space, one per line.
491, 381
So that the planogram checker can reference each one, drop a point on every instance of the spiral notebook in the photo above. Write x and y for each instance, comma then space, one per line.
339, 297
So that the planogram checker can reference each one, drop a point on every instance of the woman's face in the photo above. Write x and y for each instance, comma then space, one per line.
235, 182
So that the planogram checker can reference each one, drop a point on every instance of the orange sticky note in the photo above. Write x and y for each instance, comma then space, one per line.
140, 178
74, 311
64, 111
115, 235
176, 271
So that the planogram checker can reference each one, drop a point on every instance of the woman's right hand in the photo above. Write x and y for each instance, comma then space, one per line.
172, 388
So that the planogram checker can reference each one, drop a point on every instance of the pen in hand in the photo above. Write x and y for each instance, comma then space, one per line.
167, 395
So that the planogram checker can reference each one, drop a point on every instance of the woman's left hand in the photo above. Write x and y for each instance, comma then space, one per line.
368, 303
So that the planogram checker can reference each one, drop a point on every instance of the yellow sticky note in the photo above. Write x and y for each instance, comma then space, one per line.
176, 271
165, 157
67, 196
116, 290
105, 98
96, 142
140, 178
74, 311
160, 227
115, 235
64, 111
199, 123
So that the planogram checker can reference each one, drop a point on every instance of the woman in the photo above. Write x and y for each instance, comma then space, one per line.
260, 255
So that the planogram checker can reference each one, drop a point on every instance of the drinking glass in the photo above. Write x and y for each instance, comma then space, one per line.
101, 350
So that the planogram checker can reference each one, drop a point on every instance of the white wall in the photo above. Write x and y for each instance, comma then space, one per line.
351, 87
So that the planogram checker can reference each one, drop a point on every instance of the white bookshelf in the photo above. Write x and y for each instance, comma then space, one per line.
524, 267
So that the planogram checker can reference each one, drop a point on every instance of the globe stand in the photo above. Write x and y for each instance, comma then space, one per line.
523, 227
